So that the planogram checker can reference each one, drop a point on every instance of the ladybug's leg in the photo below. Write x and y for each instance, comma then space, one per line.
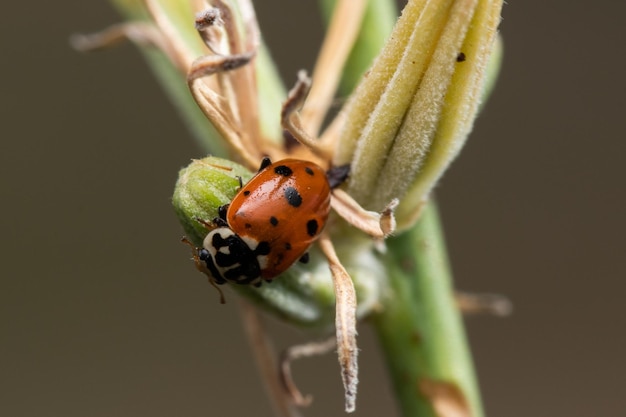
304, 258
265, 163
205, 223
219, 222
222, 211
337, 175
196, 255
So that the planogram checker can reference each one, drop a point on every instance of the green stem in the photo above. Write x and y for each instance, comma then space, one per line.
420, 328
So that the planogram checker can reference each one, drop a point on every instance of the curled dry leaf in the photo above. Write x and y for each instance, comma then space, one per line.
345, 323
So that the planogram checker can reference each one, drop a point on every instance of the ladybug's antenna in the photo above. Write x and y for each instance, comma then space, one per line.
201, 266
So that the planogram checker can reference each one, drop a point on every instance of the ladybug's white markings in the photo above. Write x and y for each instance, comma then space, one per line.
262, 260
251, 242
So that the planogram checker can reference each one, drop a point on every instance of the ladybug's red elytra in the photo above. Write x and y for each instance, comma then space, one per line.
270, 223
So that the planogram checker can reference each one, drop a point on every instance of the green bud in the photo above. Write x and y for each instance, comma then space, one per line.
304, 294
202, 187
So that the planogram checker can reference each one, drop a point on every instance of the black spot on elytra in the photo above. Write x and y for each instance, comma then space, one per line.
263, 248
283, 170
309, 171
246, 193
287, 245
247, 226
293, 197
311, 227
273, 221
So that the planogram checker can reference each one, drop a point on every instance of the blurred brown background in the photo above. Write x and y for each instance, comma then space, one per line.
103, 315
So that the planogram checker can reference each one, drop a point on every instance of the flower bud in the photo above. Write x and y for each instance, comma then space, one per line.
413, 111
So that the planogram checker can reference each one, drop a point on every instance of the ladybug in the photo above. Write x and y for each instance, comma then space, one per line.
269, 224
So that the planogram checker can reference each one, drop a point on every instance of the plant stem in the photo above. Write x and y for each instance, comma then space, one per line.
420, 327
